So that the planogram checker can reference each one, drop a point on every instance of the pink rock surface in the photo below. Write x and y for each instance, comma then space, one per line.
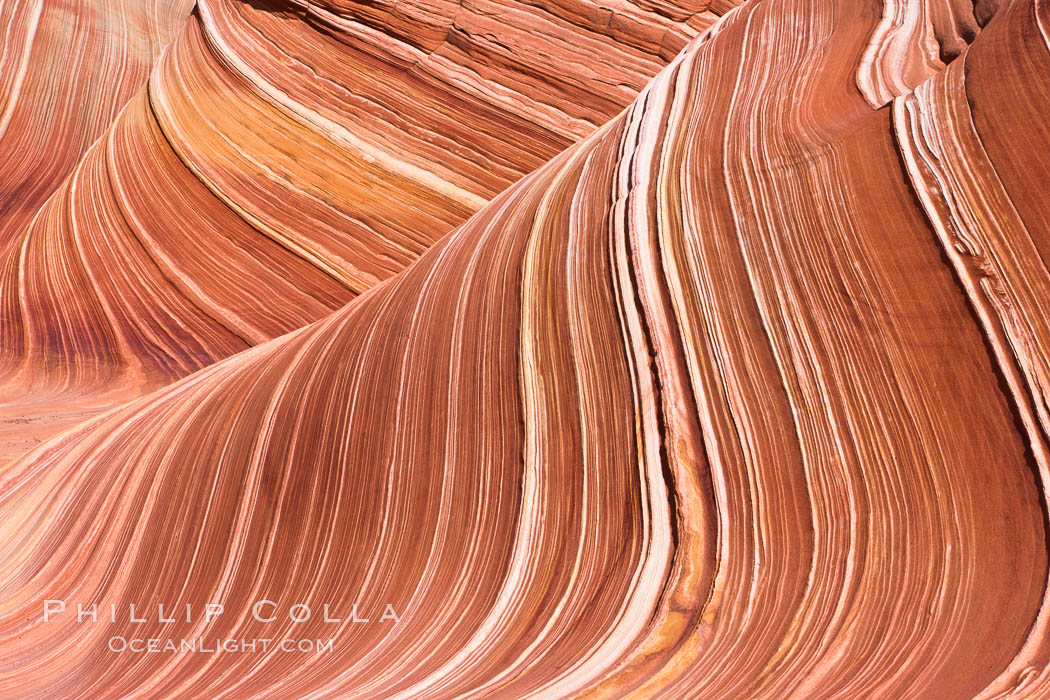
742, 394
280, 159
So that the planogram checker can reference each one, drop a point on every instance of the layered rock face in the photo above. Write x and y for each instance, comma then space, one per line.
741, 393
66, 68
281, 159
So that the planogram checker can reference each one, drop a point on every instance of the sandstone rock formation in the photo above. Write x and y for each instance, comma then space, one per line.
281, 159
741, 394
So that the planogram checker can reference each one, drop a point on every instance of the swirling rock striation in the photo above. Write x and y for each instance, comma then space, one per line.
66, 68
281, 159
742, 395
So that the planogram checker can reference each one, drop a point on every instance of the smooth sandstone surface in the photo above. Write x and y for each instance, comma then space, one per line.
278, 159
738, 392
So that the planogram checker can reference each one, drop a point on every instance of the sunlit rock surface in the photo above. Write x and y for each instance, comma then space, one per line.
742, 394
66, 68
280, 159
